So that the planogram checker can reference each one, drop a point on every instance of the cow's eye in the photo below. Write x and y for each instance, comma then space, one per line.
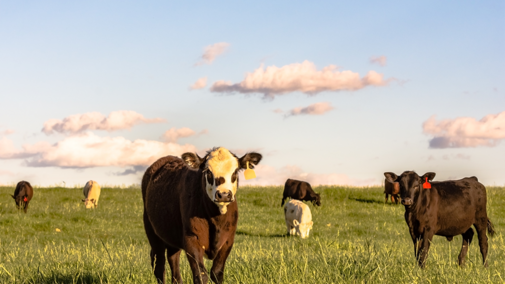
210, 177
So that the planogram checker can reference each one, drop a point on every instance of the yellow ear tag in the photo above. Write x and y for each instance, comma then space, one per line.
249, 173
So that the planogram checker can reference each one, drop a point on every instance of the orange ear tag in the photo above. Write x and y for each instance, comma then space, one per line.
426, 184
249, 173
26, 199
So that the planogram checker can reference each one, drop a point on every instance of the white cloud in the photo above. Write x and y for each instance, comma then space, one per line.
267, 175
89, 150
212, 51
117, 120
7, 132
464, 132
299, 77
173, 134
381, 60
313, 109
199, 84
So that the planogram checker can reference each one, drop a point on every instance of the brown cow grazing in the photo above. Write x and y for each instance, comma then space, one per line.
23, 194
300, 190
393, 189
445, 208
190, 204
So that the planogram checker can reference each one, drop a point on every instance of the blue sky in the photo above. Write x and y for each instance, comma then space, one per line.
62, 60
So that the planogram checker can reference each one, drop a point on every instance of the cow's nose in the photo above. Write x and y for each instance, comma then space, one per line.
407, 201
224, 196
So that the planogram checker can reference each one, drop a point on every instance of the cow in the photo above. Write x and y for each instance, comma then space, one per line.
22, 195
393, 189
91, 192
445, 208
298, 218
300, 190
190, 204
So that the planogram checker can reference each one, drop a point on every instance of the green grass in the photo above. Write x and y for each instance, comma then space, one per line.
356, 239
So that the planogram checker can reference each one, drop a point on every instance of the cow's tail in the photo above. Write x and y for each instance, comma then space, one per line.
490, 228
282, 203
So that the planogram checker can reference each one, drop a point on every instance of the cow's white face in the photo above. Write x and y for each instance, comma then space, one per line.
221, 177
220, 171
303, 229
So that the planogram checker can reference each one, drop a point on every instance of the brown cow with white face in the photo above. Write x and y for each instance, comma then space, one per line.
190, 204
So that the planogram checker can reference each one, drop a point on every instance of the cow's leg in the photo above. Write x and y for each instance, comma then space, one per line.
173, 257
396, 198
425, 246
467, 240
26, 207
481, 227
194, 254
387, 196
217, 270
157, 251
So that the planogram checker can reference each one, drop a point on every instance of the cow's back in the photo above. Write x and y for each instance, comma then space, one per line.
24, 188
163, 195
459, 204
295, 189
298, 210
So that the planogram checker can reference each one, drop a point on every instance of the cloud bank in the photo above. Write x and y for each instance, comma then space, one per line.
299, 77
77, 123
211, 52
464, 132
313, 109
89, 150
173, 134
267, 175
199, 84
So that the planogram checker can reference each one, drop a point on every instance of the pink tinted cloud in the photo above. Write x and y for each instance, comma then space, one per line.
299, 77
77, 123
173, 134
89, 150
7, 132
211, 52
9, 151
199, 84
313, 109
381, 60
464, 132
267, 175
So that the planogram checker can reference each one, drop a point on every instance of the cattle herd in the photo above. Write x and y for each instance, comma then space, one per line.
190, 204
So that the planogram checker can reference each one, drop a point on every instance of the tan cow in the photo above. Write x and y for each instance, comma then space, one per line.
92, 193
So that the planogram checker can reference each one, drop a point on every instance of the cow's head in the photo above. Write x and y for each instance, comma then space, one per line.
303, 229
89, 203
220, 170
410, 184
21, 200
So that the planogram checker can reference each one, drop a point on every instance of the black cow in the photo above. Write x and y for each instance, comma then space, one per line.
300, 190
23, 194
190, 204
445, 208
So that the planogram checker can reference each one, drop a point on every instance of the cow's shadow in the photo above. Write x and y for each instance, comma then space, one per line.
374, 201
244, 233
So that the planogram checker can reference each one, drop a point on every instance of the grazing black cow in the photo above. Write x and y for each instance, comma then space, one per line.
23, 194
300, 190
446, 208
190, 204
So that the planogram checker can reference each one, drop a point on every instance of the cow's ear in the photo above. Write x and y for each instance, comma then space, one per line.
253, 159
391, 177
429, 175
13, 196
295, 222
192, 160
84, 200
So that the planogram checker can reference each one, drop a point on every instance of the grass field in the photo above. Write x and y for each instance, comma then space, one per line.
356, 239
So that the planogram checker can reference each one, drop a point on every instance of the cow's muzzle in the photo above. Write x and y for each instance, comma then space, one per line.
223, 196
407, 201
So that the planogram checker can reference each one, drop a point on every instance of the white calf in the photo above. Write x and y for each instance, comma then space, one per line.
298, 218
92, 193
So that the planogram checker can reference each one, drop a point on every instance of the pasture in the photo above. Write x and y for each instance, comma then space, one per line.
356, 238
